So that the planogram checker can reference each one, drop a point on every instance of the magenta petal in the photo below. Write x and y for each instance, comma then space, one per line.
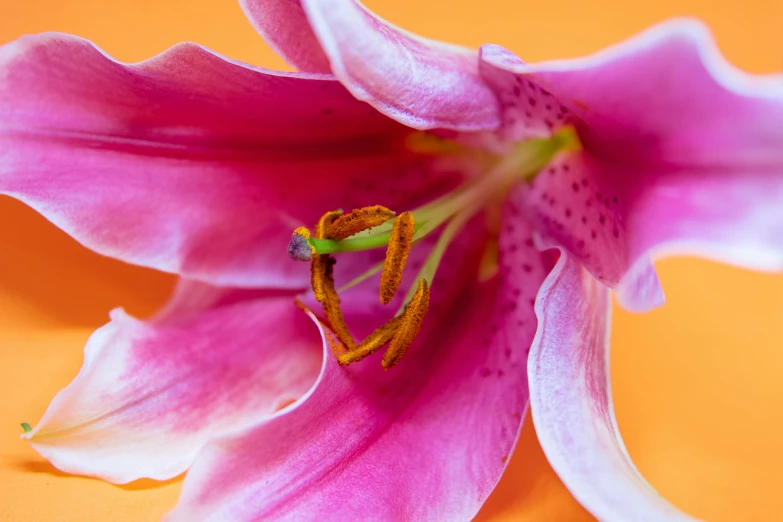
571, 401
577, 203
186, 162
426, 440
150, 394
684, 154
418, 82
284, 26
693, 107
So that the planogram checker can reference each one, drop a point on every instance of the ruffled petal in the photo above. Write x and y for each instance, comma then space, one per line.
571, 401
418, 82
150, 394
284, 26
426, 440
188, 162
683, 154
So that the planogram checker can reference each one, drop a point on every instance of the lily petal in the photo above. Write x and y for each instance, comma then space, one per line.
150, 394
185, 162
571, 400
696, 168
427, 440
579, 204
284, 26
419, 82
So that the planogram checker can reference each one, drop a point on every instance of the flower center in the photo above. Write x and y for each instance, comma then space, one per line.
378, 227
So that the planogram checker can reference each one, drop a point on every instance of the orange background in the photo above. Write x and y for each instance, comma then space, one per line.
696, 383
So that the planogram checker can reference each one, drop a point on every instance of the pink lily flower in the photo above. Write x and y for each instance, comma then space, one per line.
537, 190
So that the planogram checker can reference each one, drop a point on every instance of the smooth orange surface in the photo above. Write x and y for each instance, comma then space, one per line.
696, 384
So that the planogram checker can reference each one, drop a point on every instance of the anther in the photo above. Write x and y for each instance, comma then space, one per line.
323, 227
319, 263
332, 308
409, 327
396, 255
372, 342
358, 220
299, 248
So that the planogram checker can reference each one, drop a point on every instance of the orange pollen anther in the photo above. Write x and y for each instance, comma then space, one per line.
332, 308
397, 252
409, 328
322, 280
319, 266
358, 220
372, 342
324, 225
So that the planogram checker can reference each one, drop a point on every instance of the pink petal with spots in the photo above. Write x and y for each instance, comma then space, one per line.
575, 206
150, 394
188, 162
684, 153
426, 440
527, 110
421, 83
284, 25
571, 400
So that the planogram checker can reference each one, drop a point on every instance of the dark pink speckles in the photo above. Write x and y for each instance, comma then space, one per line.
528, 109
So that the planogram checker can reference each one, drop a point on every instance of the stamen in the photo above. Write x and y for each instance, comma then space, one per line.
319, 263
359, 220
396, 255
299, 248
318, 276
322, 228
332, 308
409, 327
372, 342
